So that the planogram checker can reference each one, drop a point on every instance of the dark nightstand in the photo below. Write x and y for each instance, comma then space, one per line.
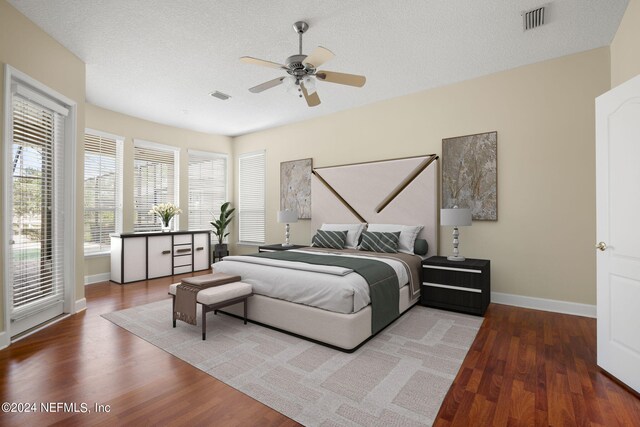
278, 247
456, 285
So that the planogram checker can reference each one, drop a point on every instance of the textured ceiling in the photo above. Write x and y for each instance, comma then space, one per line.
159, 59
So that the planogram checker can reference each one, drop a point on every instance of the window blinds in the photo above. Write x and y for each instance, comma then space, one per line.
37, 203
207, 187
154, 182
251, 204
102, 194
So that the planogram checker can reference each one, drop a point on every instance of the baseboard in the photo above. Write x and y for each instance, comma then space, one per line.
96, 278
555, 306
5, 340
81, 304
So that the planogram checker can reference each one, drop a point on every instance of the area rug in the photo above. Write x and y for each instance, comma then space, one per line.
399, 378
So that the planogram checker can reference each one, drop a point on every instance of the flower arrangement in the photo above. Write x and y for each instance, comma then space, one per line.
165, 211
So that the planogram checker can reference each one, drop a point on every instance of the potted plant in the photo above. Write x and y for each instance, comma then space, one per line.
219, 228
166, 212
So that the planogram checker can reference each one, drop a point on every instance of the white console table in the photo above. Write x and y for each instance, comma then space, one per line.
142, 256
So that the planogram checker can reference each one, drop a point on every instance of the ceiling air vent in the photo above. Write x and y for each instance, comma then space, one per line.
220, 95
533, 18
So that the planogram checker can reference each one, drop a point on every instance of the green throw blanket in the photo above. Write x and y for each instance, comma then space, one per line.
382, 279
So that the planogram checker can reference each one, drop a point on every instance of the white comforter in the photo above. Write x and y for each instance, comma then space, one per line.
331, 288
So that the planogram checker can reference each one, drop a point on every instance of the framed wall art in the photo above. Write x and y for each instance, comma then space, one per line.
295, 186
470, 174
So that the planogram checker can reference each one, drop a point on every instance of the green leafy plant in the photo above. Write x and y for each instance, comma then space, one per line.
222, 222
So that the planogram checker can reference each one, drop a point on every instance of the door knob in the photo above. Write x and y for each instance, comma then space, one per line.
601, 246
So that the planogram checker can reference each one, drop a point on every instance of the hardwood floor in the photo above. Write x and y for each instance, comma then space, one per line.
86, 358
525, 367
530, 367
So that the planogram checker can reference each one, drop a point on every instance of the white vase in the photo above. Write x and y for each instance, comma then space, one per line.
166, 227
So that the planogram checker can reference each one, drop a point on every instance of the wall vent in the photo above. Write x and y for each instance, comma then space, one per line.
220, 95
533, 18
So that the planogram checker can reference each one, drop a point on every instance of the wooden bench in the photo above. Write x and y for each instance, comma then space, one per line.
216, 297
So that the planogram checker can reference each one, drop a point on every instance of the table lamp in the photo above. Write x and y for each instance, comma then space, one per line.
287, 217
456, 217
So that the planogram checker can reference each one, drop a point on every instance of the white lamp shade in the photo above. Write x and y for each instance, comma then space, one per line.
287, 216
457, 217
310, 84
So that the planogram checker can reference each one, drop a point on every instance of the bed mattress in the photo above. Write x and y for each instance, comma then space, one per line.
333, 289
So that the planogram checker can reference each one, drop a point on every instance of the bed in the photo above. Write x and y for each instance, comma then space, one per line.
332, 304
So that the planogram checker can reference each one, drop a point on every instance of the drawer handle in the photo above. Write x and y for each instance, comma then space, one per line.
200, 248
183, 250
455, 288
166, 252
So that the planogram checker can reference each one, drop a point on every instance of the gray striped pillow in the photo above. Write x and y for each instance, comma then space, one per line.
380, 241
329, 239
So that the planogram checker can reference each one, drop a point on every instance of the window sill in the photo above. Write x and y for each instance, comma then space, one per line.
249, 244
97, 254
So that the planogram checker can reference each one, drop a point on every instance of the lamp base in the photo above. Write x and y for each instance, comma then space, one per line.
286, 245
456, 258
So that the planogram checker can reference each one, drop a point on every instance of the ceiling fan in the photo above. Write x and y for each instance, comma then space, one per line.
303, 70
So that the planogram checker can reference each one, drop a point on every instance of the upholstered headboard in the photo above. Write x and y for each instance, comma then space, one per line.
397, 191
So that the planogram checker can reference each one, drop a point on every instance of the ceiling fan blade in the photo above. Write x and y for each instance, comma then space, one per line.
313, 99
262, 62
319, 56
341, 78
266, 85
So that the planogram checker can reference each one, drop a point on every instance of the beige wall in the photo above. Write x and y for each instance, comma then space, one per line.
625, 48
542, 243
29, 49
130, 127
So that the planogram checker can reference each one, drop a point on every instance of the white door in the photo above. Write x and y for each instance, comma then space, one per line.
618, 231
35, 261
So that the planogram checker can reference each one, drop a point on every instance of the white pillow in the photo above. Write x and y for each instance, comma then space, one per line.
353, 232
408, 234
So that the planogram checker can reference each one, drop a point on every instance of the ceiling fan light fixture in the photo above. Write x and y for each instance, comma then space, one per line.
310, 84
290, 86
289, 82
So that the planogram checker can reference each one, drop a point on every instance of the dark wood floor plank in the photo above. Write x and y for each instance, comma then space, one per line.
525, 367
540, 370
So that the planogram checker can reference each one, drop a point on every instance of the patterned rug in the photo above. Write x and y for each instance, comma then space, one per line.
399, 378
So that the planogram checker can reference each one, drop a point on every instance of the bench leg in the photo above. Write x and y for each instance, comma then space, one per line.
245, 311
173, 310
204, 323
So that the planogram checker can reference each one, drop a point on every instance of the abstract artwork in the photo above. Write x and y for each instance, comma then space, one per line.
470, 174
295, 186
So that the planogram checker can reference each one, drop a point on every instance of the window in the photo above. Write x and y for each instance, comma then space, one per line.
207, 187
102, 190
155, 180
38, 214
251, 204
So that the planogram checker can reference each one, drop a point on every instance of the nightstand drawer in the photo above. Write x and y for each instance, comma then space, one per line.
459, 277
452, 299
